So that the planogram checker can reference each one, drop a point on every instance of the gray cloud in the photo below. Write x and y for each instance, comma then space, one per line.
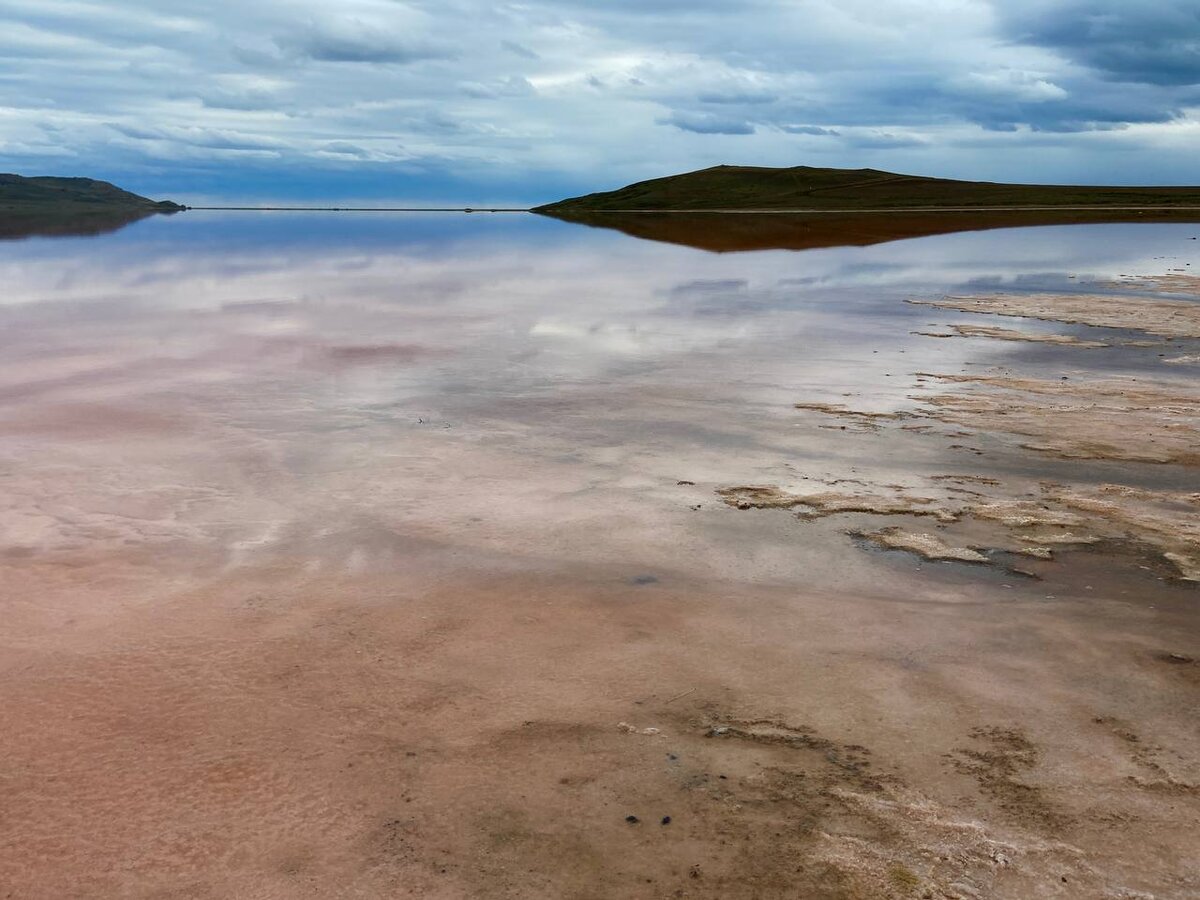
883, 140
200, 137
513, 86
342, 148
519, 50
705, 123
1150, 41
246, 100
737, 99
808, 129
354, 41
545, 94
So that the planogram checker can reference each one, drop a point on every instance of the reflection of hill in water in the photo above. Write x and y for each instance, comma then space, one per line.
15, 226
733, 232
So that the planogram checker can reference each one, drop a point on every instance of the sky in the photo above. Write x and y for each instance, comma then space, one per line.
495, 103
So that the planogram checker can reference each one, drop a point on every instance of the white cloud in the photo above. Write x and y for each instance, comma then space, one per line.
583, 93
1008, 83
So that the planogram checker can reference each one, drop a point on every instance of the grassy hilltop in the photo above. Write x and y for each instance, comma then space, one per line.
808, 188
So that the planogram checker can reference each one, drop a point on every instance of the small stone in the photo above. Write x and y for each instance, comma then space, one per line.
632, 820
1176, 658
666, 820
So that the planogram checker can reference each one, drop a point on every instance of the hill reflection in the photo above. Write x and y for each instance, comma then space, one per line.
18, 226
737, 232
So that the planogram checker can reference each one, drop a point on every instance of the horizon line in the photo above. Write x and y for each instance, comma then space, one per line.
472, 209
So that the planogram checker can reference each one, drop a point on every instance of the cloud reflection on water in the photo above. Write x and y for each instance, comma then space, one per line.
240, 367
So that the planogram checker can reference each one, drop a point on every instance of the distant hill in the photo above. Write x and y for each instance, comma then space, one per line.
19, 194
61, 206
803, 188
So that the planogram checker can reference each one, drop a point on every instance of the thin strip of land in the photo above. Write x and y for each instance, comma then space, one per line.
458, 209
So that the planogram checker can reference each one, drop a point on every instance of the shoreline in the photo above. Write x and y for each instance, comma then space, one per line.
877, 211
723, 211
459, 209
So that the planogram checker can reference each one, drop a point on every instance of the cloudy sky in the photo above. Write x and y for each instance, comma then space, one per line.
491, 102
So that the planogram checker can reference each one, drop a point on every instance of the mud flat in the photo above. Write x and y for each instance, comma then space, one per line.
1165, 317
923, 544
1153, 417
1163, 523
1133, 419
1009, 334
999, 512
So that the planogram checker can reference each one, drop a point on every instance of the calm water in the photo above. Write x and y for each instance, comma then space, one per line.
231, 385
379, 555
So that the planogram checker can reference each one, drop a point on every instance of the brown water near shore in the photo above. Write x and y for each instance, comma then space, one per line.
399, 563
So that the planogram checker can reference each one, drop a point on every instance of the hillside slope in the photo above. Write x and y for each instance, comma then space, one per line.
808, 188
66, 196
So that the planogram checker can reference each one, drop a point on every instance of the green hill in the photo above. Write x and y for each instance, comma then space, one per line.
69, 206
67, 196
804, 188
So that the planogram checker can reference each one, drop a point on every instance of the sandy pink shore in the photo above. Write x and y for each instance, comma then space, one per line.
487, 734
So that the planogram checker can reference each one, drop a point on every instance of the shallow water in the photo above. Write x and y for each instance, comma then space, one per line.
228, 368
293, 500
